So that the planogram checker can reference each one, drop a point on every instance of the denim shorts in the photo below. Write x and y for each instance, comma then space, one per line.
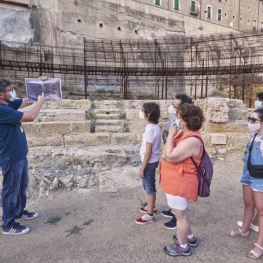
255, 183
148, 180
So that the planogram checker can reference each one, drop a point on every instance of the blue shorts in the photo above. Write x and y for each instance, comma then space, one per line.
255, 183
148, 180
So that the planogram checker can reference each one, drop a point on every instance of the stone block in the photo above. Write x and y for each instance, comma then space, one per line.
87, 139
70, 115
48, 128
131, 114
218, 138
216, 109
124, 138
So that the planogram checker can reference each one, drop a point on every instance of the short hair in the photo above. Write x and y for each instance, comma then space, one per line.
260, 95
192, 115
4, 83
260, 113
184, 98
154, 110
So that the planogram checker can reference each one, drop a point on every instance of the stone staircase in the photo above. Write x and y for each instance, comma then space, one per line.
109, 119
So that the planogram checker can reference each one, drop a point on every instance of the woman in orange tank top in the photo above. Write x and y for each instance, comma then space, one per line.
178, 174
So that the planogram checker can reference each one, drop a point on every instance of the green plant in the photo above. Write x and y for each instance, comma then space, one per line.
75, 230
88, 222
53, 220
143, 203
67, 213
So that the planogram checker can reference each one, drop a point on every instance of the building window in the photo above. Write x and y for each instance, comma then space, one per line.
193, 6
254, 25
240, 18
219, 1
209, 12
261, 26
176, 4
158, 2
225, 14
219, 15
233, 17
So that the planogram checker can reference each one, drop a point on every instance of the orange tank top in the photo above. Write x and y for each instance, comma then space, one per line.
181, 178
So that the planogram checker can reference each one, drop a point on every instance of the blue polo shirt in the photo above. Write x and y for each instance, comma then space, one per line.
13, 143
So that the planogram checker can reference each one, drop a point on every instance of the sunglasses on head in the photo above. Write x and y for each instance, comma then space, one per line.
252, 120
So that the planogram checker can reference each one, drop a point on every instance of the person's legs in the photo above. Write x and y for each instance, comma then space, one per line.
149, 186
249, 208
11, 186
22, 195
183, 225
258, 197
255, 221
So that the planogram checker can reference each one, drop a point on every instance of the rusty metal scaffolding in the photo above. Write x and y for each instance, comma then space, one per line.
195, 65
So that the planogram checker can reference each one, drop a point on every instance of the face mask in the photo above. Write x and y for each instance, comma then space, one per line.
171, 110
258, 104
13, 95
254, 126
177, 122
141, 115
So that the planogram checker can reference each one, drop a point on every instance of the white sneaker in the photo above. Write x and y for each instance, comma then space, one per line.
145, 219
252, 227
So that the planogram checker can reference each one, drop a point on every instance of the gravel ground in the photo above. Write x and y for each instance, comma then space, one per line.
112, 235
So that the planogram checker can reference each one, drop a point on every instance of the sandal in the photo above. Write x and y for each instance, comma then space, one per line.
255, 255
232, 233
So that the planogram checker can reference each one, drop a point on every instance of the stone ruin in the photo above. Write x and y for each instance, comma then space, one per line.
84, 145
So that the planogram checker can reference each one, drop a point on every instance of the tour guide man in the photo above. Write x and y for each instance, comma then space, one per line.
13, 161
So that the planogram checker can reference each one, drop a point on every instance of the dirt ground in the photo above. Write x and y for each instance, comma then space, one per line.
113, 236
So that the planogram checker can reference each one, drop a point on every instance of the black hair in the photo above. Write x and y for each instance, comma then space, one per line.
154, 110
260, 113
260, 95
184, 98
4, 83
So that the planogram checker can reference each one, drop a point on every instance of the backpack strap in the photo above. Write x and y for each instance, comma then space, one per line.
194, 162
203, 149
249, 153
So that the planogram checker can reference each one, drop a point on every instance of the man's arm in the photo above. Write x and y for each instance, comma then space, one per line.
25, 103
32, 113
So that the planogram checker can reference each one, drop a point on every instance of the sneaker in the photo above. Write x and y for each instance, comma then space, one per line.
252, 226
191, 242
171, 224
27, 215
145, 210
168, 214
145, 219
16, 229
176, 250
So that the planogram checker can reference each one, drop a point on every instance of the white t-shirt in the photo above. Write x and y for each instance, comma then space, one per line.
170, 122
152, 134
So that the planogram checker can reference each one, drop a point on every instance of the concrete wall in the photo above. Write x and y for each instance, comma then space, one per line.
67, 22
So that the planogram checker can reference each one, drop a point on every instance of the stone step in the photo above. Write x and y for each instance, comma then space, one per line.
57, 115
109, 128
108, 116
109, 122
106, 111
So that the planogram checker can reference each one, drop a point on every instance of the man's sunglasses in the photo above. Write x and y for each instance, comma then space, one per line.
252, 120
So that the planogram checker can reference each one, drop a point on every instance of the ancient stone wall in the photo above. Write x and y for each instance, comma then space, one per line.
87, 145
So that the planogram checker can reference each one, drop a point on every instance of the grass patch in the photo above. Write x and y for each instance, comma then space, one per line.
53, 220
75, 230
88, 222
143, 203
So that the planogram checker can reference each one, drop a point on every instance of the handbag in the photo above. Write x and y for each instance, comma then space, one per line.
255, 171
